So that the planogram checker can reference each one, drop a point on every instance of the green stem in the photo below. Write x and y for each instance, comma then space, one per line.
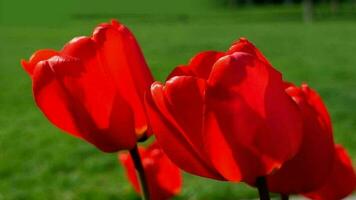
135, 155
262, 187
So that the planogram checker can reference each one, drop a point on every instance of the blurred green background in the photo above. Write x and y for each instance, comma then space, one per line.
37, 161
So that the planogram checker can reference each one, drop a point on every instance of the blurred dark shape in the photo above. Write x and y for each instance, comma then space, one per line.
143, 17
308, 10
329, 8
334, 4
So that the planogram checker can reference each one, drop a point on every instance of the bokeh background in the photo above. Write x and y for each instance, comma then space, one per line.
315, 43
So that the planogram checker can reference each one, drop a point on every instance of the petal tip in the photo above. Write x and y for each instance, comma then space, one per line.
243, 39
27, 66
115, 22
156, 84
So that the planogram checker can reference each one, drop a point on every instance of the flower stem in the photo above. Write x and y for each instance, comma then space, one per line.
135, 155
262, 188
284, 197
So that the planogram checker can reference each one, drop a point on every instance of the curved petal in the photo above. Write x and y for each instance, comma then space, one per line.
123, 57
184, 97
178, 144
283, 117
163, 177
129, 166
242, 90
36, 57
317, 103
230, 132
94, 87
52, 99
245, 46
199, 66
168, 176
116, 55
310, 167
341, 182
83, 104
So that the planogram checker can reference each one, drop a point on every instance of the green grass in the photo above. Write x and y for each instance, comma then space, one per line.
37, 161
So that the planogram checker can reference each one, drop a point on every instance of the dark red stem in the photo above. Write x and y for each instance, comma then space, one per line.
135, 155
262, 187
284, 197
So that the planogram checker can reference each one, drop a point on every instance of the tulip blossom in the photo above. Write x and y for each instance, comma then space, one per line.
226, 115
340, 182
311, 166
93, 88
163, 177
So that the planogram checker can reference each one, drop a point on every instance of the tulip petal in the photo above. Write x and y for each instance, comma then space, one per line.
315, 100
122, 56
127, 162
253, 112
232, 134
94, 87
243, 45
177, 144
82, 103
229, 130
341, 182
38, 56
116, 51
163, 177
52, 100
310, 167
171, 185
199, 66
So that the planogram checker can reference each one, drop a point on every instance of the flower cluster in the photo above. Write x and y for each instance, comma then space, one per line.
228, 116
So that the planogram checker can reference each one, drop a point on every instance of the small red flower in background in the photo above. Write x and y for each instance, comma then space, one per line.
309, 169
93, 88
340, 182
163, 177
226, 116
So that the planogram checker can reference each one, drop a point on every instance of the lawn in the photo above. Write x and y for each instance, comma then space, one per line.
37, 161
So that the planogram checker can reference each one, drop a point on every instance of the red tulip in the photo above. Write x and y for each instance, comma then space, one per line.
163, 177
93, 88
340, 182
311, 166
226, 116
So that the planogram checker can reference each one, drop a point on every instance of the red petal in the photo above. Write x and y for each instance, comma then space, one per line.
52, 99
341, 182
309, 168
123, 57
245, 46
163, 177
127, 162
315, 100
244, 90
38, 56
184, 94
199, 66
114, 52
83, 103
100, 81
179, 144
